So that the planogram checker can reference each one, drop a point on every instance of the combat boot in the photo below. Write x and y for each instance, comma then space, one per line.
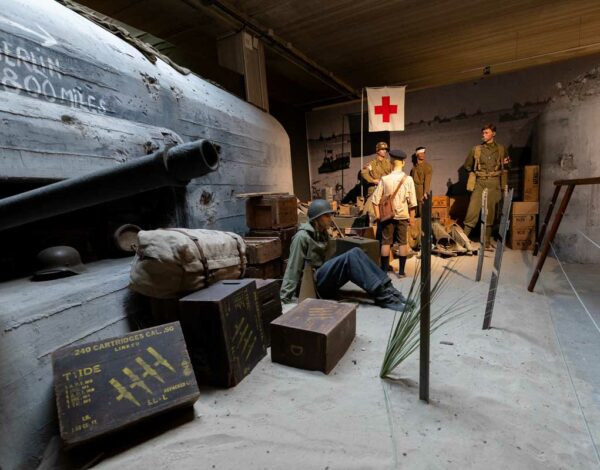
387, 296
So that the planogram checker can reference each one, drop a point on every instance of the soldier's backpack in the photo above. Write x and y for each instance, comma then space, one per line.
172, 262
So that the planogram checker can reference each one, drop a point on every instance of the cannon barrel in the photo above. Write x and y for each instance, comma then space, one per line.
175, 166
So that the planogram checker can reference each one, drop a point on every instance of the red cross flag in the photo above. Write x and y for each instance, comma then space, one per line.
386, 108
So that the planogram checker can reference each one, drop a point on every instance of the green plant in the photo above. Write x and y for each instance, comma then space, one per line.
404, 339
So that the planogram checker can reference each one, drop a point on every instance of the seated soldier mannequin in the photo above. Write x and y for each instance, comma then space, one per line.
310, 244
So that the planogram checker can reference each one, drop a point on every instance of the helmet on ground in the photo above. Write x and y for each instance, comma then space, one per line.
317, 208
58, 261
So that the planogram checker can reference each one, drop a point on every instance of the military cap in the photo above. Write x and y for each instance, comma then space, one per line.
398, 154
381, 146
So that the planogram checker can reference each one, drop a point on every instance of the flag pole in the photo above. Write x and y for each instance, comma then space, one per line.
362, 146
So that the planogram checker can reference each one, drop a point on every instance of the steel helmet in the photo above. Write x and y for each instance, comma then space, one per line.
381, 146
58, 261
317, 208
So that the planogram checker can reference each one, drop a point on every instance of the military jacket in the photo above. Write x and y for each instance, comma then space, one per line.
376, 169
490, 159
308, 244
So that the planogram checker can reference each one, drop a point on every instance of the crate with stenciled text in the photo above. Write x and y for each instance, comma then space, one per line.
314, 335
223, 331
106, 385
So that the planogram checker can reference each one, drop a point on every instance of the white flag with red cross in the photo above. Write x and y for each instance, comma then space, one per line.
386, 108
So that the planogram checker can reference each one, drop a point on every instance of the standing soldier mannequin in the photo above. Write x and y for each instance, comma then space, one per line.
373, 172
421, 174
401, 186
485, 165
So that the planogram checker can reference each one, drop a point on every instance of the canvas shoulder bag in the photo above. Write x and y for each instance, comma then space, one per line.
386, 206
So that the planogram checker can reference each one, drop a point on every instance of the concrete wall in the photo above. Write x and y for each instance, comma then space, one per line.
547, 114
568, 146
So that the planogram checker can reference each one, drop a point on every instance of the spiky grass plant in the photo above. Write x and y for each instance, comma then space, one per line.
404, 333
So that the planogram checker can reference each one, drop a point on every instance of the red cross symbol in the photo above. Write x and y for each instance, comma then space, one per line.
386, 109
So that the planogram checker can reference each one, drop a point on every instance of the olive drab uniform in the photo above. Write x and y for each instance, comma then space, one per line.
487, 162
421, 174
374, 171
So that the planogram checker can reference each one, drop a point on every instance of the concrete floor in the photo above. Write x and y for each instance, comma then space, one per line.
525, 394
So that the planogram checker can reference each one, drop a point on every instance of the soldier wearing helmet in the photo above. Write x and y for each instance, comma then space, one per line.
379, 167
310, 244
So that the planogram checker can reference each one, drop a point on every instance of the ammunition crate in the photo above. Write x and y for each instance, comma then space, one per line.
223, 331
104, 386
314, 335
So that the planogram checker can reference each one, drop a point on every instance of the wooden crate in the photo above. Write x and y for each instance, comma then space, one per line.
371, 247
269, 304
365, 232
269, 270
314, 335
285, 235
262, 249
107, 385
271, 212
223, 331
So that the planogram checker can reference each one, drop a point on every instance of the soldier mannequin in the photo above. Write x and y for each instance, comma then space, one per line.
310, 245
379, 167
487, 162
404, 204
421, 174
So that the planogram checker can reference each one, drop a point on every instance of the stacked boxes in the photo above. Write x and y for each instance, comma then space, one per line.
440, 209
523, 225
271, 216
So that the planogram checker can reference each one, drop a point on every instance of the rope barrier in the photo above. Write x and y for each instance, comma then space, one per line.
589, 239
573, 287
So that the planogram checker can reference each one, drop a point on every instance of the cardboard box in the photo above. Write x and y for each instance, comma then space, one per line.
522, 239
525, 208
440, 201
523, 221
345, 209
531, 183
371, 247
271, 212
107, 385
262, 249
521, 244
284, 234
314, 335
223, 331
269, 304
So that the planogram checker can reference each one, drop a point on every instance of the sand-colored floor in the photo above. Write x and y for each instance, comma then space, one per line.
513, 397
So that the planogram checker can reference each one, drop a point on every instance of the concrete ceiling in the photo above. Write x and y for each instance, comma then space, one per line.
371, 43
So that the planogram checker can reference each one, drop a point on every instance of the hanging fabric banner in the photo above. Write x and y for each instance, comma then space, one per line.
386, 108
